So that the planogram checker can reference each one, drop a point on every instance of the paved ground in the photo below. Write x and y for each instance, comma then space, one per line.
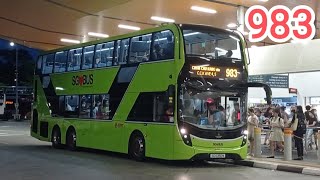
22, 157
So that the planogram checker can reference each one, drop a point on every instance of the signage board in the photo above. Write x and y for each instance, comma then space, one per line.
274, 81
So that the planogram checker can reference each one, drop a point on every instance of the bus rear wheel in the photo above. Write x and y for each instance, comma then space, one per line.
137, 147
56, 138
71, 140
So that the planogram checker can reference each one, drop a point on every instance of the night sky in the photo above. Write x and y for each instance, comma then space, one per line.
4, 44
26, 60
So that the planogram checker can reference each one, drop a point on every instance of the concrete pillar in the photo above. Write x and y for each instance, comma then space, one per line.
257, 142
240, 18
288, 144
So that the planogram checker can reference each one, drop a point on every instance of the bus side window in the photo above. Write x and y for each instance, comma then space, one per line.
60, 61
74, 59
100, 109
164, 111
122, 51
47, 63
163, 45
104, 54
88, 57
140, 48
72, 106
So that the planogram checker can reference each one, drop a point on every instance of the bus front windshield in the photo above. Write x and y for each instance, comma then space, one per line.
212, 109
214, 44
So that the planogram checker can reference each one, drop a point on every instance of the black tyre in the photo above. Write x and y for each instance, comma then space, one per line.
56, 138
137, 147
71, 140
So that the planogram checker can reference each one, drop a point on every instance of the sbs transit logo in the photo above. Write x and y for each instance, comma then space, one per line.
82, 80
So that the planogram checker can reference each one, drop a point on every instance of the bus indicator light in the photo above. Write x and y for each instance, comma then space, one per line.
280, 23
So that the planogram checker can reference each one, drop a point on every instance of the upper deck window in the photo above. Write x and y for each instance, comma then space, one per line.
104, 54
140, 48
47, 63
74, 59
122, 52
214, 44
60, 61
163, 45
88, 57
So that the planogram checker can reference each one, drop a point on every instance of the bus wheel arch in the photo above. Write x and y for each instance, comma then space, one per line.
56, 137
136, 146
71, 138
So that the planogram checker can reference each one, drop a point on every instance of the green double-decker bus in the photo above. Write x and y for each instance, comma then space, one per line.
173, 92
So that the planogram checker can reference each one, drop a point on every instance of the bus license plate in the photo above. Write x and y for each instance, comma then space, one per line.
217, 156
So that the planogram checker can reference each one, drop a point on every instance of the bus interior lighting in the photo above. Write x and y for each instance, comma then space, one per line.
203, 9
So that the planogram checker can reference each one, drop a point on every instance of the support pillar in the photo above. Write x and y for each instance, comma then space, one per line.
288, 144
240, 18
257, 142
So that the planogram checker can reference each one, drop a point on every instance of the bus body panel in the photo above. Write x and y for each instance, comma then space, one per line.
95, 81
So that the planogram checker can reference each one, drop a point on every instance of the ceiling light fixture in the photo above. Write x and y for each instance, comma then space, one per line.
70, 41
157, 18
263, 0
203, 9
98, 34
254, 46
129, 27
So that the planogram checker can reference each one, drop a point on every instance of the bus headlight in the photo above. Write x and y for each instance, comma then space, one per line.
245, 132
245, 136
185, 137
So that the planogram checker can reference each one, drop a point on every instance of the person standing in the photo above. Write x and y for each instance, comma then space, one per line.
299, 118
276, 135
252, 123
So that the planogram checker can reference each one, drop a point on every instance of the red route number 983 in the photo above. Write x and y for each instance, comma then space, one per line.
280, 23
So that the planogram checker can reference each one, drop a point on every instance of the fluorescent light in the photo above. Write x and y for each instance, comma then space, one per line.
11, 43
70, 41
254, 46
203, 9
128, 27
232, 25
229, 30
156, 18
190, 34
263, 0
98, 34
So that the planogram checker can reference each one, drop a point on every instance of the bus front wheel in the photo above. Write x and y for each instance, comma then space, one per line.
56, 138
72, 140
137, 147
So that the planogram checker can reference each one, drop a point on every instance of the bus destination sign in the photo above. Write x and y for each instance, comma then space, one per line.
215, 72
